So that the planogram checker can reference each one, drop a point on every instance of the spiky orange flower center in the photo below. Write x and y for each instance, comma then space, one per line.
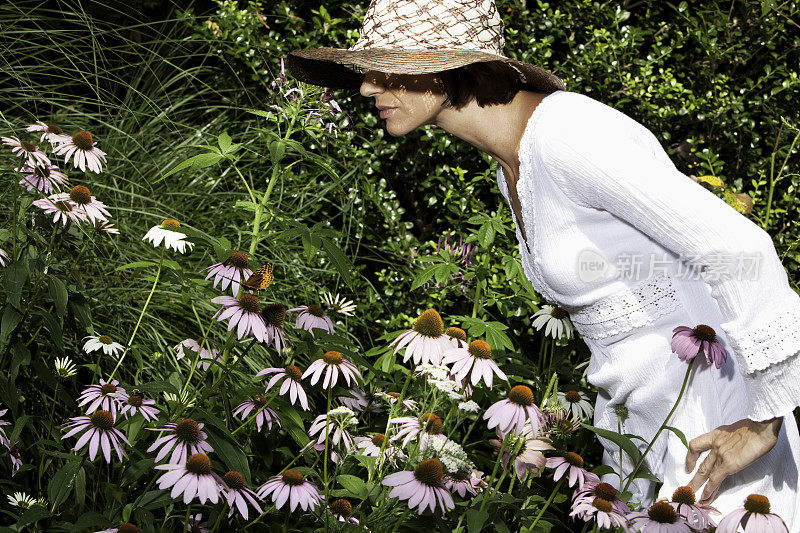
250, 303
135, 400
430, 472
429, 323
602, 505
80, 195
274, 314
199, 463
260, 401
105, 339
572, 396
292, 477
756, 503
683, 495
378, 438
102, 419
704, 333
237, 259
63, 206
83, 140
574, 459
332, 358
431, 423
29, 147
521, 395
342, 507
234, 480
663, 513
52, 128
188, 431
558, 312
605, 491
42, 172
127, 527
457, 333
480, 349
316, 310
170, 223
108, 388
395, 395
294, 373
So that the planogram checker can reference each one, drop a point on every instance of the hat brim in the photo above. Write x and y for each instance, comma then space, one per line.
344, 69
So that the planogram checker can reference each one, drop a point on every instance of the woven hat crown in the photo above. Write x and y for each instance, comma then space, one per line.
432, 25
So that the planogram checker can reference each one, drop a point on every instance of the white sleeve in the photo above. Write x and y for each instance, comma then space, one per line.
608, 161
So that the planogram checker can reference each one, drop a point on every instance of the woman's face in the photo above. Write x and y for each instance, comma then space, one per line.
416, 99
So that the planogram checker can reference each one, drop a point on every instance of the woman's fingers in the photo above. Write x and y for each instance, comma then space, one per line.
704, 472
696, 447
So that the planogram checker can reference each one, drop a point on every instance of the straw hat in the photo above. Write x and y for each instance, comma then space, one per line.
417, 37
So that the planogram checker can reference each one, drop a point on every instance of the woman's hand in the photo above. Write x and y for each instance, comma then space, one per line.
732, 448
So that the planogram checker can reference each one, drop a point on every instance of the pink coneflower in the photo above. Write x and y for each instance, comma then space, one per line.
371, 446
42, 178
80, 199
475, 360
423, 487
83, 148
515, 411
61, 211
230, 272
274, 315
184, 438
593, 488
238, 495
3, 257
688, 343
754, 516
461, 484
125, 527
576, 403
343, 511
561, 422
104, 226
29, 151
16, 459
312, 317
134, 403
358, 400
529, 458
426, 341
697, 516
265, 415
337, 421
331, 363
392, 398
244, 312
192, 477
571, 464
105, 395
291, 376
425, 426
3, 438
51, 132
458, 337
99, 434
291, 486
660, 518
102, 342
207, 353
599, 510
196, 524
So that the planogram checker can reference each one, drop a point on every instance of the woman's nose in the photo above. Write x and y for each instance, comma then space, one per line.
372, 84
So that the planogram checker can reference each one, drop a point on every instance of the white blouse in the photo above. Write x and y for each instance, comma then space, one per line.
632, 248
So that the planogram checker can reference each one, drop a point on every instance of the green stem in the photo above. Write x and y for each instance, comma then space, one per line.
254, 415
141, 315
52, 410
325, 463
401, 520
660, 429
772, 182
494, 471
548, 502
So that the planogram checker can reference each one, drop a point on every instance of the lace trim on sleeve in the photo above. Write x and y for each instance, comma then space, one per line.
627, 309
771, 341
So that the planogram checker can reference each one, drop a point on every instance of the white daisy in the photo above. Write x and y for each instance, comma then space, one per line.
83, 148
51, 132
576, 403
102, 342
338, 303
556, 319
166, 232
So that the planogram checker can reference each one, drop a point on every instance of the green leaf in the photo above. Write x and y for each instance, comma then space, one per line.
61, 483
53, 328
475, 520
339, 260
196, 162
354, 485
233, 457
423, 277
33, 514
92, 520
224, 141
680, 435
80, 487
135, 471
58, 293
136, 264
9, 322
14, 279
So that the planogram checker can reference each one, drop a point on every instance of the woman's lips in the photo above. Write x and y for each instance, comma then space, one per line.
387, 112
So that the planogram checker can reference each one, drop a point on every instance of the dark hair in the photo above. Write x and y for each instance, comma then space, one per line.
486, 82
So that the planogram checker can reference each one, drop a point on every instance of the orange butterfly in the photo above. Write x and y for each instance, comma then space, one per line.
260, 279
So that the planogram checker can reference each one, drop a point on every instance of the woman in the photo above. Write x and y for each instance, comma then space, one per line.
587, 184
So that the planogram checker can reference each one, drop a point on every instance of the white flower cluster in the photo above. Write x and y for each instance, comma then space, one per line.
469, 406
439, 376
450, 453
343, 416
